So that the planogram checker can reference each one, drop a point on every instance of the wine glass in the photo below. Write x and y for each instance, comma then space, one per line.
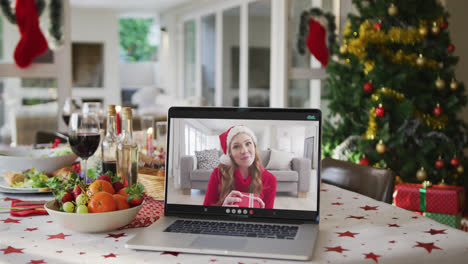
71, 105
84, 136
94, 107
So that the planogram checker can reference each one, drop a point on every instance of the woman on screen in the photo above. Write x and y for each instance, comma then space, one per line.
240, 171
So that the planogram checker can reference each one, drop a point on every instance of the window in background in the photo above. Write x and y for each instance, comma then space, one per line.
231, 40
87, 65
189, 58
208, 53
138, 39
259, 53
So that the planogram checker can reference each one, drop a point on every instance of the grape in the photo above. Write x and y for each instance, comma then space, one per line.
82, 209
81, 199
69, 207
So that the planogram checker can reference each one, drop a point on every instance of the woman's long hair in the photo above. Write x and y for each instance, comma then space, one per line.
227, 177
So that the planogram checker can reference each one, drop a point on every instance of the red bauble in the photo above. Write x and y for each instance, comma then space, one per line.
454, 161
378, 26
444, 25
451, 47
439, 164
364, 161
437, 111
368, 87
380, 111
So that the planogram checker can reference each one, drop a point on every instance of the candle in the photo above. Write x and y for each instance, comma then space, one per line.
149, 141
117, 118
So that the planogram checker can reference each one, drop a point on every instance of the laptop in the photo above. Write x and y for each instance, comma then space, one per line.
207, 213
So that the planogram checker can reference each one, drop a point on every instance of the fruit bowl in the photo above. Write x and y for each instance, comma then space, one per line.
92, 222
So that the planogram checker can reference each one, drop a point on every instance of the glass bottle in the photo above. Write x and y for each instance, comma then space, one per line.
127, 151
109, 144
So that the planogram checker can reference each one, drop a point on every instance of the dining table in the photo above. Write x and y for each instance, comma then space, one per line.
353, 228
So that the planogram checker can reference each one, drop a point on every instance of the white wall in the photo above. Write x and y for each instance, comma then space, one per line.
99, 26
138, 74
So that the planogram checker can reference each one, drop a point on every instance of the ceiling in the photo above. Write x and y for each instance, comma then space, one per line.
157, 5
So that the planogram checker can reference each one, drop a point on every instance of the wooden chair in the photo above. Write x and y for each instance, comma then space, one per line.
369, 181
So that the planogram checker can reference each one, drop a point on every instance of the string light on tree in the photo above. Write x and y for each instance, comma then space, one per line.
453, 85
364, 161
439, 164
421, 174
343, 49
392, 10
368, 87
380, 147
422, 30
420, 61
435, 29
439, 83
380, 111
438, 110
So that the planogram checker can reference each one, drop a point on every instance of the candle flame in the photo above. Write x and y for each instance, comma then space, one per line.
150, 130
117, 108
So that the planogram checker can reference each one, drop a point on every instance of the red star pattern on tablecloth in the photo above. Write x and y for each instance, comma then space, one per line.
338, 249
111, 255
82, 253
392, 241
10, 220
59, 251
7, 199
428, 246
58, 236
356, 217
415, 217
10, 250
435, 232
36, 261
367, 207
393, 225
213, 260
337, 203
31, 229
373, 256
324, 190
170, 253
346, 234
116, 235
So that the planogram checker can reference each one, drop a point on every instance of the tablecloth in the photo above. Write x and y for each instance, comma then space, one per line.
353, 229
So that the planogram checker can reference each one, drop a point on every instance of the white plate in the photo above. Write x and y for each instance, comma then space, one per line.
5, 188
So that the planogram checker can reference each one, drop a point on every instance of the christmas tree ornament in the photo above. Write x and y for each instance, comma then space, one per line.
392, 10
343, 49
378, 26
454, 161
380, 111
368, 87
451, 47
453, 85
444, 24
442, 182
316, 41
380, 147
426, 184
375, 97
460, 169
439, 83
421, 174
437, 110
364, 161
439, 164
435, 29
422, 30
420, 61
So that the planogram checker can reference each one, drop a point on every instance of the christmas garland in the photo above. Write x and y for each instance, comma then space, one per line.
55, 15
303, 29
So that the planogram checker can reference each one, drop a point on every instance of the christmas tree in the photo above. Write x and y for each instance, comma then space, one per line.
393, 94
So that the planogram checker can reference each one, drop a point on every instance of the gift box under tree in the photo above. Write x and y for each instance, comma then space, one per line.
447, 219
441, 199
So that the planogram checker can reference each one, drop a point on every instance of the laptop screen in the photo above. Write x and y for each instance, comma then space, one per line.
243, 162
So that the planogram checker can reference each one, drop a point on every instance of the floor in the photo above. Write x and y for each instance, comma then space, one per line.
288, 201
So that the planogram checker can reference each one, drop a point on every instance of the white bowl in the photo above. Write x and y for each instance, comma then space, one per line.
92, 222
20, 159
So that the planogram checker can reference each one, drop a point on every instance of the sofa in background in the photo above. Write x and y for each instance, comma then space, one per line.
294, 178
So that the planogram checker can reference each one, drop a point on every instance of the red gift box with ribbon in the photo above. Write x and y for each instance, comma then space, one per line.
248, 200
440, 199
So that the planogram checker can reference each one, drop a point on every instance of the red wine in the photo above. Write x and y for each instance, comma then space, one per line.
84, 144
109, 166
66, 119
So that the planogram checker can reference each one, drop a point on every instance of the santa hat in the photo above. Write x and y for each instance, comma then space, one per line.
226, 137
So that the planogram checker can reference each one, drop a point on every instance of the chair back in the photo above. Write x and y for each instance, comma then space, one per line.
369, 181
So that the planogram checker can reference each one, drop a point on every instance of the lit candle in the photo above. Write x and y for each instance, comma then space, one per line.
149, 141
117, 118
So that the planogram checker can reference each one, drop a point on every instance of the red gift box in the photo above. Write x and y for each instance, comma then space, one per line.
248, 200
440, 199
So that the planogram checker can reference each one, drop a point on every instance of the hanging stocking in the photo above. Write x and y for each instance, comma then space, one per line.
316, 42
32, 42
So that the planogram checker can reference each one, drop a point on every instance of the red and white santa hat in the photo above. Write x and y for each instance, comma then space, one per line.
226, 137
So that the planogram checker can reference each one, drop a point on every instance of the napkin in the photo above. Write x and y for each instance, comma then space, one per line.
27, 212
149, 213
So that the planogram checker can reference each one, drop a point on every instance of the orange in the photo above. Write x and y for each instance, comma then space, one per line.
102, 202
100, 186
121, 202
122, 192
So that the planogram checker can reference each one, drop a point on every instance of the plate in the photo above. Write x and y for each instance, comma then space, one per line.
5, 188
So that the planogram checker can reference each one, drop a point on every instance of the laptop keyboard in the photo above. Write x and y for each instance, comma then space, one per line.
233, 229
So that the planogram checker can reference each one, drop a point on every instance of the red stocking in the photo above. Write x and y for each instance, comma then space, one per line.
32, 42
316, 42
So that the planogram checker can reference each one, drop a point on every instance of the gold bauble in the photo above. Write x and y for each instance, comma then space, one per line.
380, 147
392, 10
343, 49
460, 169
439, 83
421, 174
453, 85
422, 31
420, 60
426, 184
375, 97
435, 29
